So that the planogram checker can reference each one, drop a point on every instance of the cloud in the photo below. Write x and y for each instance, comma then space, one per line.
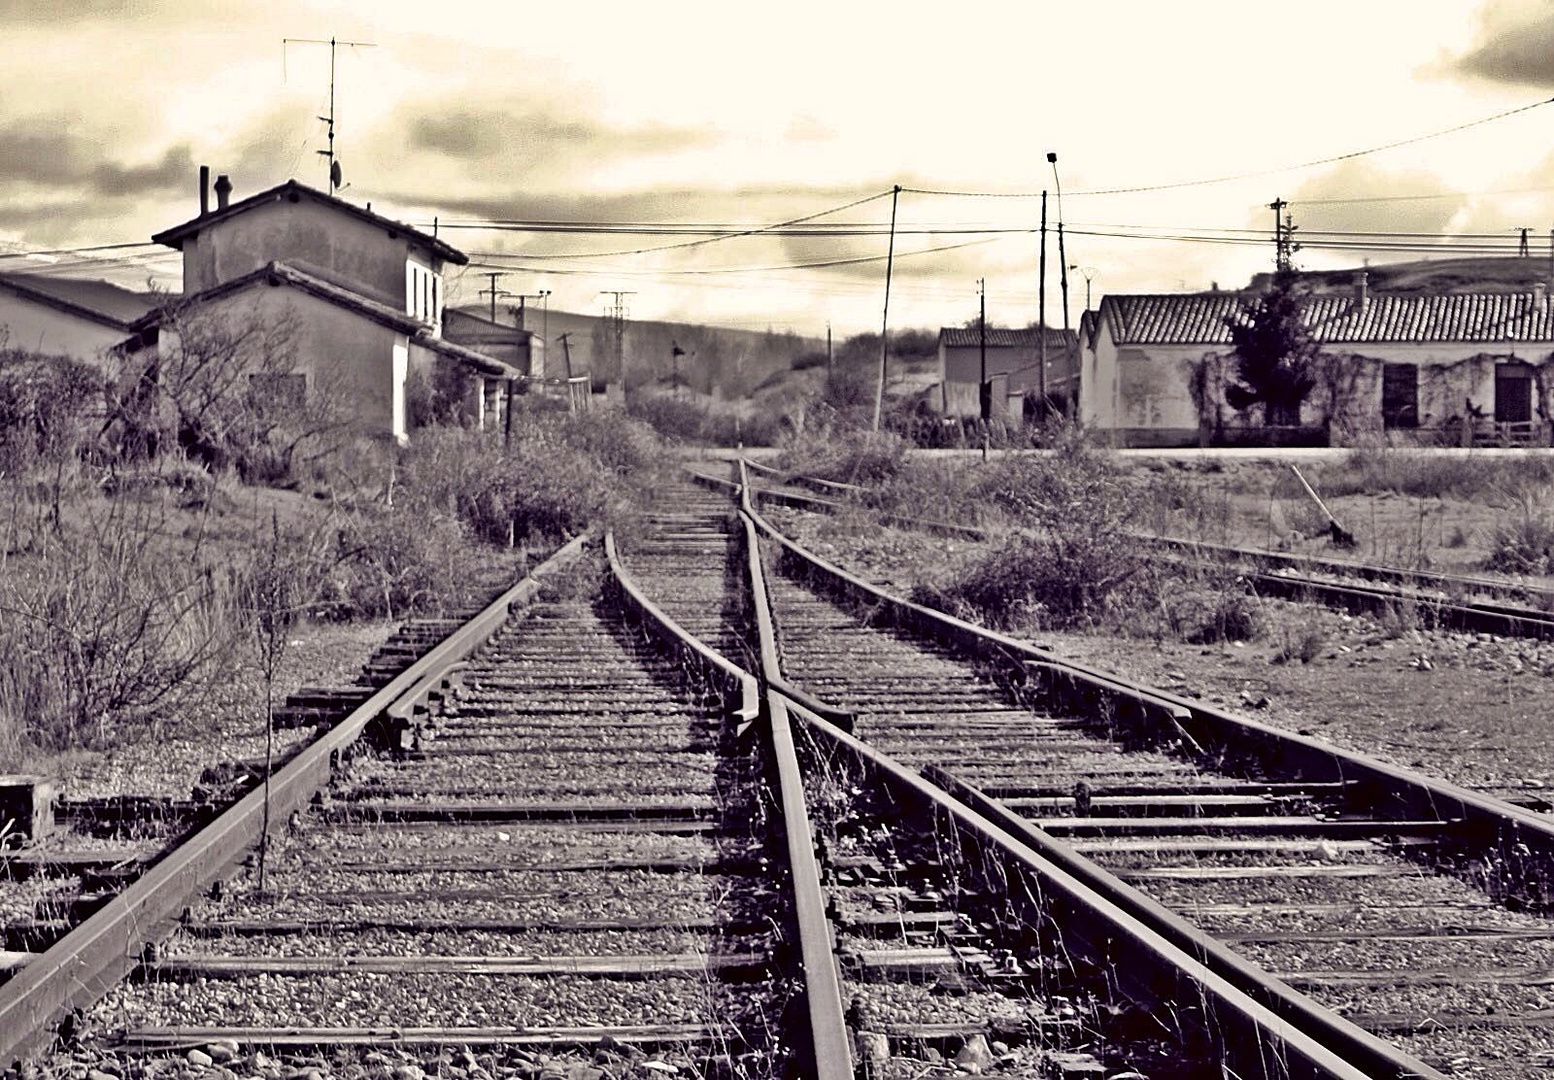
1358, 196
70, 14
1515, 44
49, 154
520, 135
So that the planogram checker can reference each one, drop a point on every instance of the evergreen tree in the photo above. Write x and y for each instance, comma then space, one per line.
1276, 355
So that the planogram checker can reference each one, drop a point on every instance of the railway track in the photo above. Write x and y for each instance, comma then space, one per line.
1378, 896
1432, 600
581, 842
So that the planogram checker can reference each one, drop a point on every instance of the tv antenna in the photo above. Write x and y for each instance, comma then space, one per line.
334, 165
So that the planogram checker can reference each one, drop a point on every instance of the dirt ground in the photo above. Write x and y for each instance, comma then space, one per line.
1261, 504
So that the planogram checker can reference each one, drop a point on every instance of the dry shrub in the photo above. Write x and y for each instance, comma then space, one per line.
45, 408
1523, 541
1370, 471
846, 455
101, 629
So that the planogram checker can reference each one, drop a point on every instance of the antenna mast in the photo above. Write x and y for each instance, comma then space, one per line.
329, 154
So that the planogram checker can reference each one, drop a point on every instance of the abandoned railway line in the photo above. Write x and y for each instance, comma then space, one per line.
700, 804
1432, 600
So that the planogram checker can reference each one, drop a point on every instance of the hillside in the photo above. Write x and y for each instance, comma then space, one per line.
1495, 274
716, 360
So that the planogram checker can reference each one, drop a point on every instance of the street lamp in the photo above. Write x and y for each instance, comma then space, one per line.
1088, 272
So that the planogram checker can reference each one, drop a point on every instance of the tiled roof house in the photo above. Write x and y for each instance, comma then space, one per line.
363, 293
66, 316
1411, 367
1014, 365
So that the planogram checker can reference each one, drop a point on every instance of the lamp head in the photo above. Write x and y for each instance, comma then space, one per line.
1052, 157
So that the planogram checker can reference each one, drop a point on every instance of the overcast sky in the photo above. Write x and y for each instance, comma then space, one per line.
750, 115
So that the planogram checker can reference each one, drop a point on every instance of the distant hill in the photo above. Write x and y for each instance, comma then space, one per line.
1492, 274
716, 360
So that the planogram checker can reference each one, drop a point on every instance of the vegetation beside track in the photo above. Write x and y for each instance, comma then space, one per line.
134, 574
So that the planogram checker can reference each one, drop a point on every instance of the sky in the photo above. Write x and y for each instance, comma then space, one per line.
651, 149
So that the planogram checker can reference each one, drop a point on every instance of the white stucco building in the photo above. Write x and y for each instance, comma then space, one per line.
363, 293
62, 316
1453, 368
1013, 366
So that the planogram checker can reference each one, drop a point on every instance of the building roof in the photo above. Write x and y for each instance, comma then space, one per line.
1341, 318
962, 337
99, 301
292, 191
283, 274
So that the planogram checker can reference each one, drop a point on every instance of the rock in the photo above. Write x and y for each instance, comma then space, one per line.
198, 1057
409, 1072
222, 1051
98, 1074
975, 1056
584, 1071
873, 1052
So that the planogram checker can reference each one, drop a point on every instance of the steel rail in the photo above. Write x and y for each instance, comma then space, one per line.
832, 1056
826, 1055
1252, 1039
818, 504
1477, 616
1522, 840
90, 960
1344, 1041
1374, 1055
659, 623
1424, 579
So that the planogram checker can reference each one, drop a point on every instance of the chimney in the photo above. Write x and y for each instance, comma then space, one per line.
204, 190
223, 189
1362, 290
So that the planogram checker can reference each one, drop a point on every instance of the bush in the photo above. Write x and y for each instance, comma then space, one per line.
44, 406
1524, 545
101, 628
847, 456
395, 563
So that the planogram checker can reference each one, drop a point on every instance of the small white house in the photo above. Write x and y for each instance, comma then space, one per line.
1013, 364
63, 316
363, 294
1455, 368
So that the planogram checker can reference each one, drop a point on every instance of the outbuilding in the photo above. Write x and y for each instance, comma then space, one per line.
1013, 362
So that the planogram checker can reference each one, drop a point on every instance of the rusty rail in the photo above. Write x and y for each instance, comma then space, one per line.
1522, 840
95, 956
830, 1053
1252, 1039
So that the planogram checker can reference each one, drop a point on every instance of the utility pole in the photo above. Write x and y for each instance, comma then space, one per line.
1284, 245
675, 352
615, 318
566, 352
1041, 313
334, 173
831, 359
890, 260
521, 297
493, 291
984, 392
1052, 159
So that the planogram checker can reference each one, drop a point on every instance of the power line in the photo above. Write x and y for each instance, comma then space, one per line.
756, 230
1174, 185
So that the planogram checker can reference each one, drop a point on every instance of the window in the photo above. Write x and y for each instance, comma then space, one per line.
421, 293
278, 392
1399, 396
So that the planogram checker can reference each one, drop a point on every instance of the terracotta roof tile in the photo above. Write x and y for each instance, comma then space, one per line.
960, 337
1199, 318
